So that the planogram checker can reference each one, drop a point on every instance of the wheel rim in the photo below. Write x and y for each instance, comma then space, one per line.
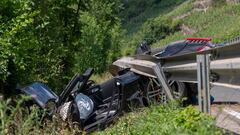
155, 92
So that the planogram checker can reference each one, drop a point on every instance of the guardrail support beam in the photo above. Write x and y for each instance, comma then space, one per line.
203, 70
163, 81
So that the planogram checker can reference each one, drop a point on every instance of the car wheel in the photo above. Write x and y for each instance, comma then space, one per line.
154, 92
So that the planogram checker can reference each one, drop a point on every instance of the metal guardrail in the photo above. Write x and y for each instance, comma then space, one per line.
232, 41
224, 66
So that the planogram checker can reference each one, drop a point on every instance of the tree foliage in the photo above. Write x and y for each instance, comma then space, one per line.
49, 40
100, 36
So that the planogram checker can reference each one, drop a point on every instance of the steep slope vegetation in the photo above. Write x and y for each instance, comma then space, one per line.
220, 22
136, 12
164, 120
218, 19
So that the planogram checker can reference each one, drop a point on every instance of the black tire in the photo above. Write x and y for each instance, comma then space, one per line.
179, 90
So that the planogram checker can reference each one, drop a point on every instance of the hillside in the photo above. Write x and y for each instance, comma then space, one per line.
161, 24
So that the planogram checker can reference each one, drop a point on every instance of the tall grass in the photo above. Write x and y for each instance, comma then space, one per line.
170, 119
17, 119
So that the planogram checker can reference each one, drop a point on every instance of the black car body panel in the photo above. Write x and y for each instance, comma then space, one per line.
40, 93
90, 105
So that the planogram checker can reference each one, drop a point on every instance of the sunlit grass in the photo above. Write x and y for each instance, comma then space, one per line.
169, 119
165, 119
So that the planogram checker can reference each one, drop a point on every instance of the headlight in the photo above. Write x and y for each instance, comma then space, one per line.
85, 105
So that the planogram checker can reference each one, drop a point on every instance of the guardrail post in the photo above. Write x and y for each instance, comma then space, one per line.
203, 69
163, 81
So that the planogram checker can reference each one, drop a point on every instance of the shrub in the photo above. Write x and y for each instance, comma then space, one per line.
159, 28
167, 119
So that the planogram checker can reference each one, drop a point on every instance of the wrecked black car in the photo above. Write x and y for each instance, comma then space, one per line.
88, 104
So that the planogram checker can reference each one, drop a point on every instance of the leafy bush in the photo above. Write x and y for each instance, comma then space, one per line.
167, 119
159, 28
50, 40
100, 37
153, 31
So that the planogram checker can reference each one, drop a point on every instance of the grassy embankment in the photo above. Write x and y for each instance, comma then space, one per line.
158, 119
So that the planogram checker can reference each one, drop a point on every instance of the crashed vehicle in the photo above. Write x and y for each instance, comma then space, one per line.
87, 104
93, 106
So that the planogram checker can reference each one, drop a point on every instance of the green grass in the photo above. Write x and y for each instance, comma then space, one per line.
148, 9
220, 22
17, 119
137, 27
99, 78
167, 119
